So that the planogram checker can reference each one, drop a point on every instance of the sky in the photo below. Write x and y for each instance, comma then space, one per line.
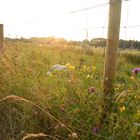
47, 18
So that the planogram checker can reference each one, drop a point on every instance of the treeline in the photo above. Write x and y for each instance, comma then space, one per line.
38, 40
101, 42
96, 42
132, 44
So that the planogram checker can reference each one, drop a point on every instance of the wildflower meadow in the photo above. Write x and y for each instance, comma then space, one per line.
55, 93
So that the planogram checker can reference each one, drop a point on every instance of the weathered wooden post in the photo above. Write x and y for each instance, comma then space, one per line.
1, 37
110, 57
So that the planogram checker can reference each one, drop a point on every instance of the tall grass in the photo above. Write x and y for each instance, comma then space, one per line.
66, 95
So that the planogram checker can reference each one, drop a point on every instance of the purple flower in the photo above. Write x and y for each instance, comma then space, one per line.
136, 70
96, 129
91, 89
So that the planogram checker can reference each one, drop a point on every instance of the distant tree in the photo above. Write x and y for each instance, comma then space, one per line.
132, 44
86, 43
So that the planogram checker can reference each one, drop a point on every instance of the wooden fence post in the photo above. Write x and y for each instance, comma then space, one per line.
1, 37
110, 57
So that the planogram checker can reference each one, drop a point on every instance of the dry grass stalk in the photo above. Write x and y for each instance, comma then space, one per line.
15, 98
18, 98
121, 95
33, 136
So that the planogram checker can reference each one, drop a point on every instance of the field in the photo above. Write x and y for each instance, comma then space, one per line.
37, 102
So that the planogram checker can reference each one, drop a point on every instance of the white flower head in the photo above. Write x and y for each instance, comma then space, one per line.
49, 73
58, 67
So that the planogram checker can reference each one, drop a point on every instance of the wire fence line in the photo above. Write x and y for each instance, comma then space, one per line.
89, 8
132, 26
93, 7
88, 29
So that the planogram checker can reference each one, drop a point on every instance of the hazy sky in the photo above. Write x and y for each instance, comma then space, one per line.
30, 18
